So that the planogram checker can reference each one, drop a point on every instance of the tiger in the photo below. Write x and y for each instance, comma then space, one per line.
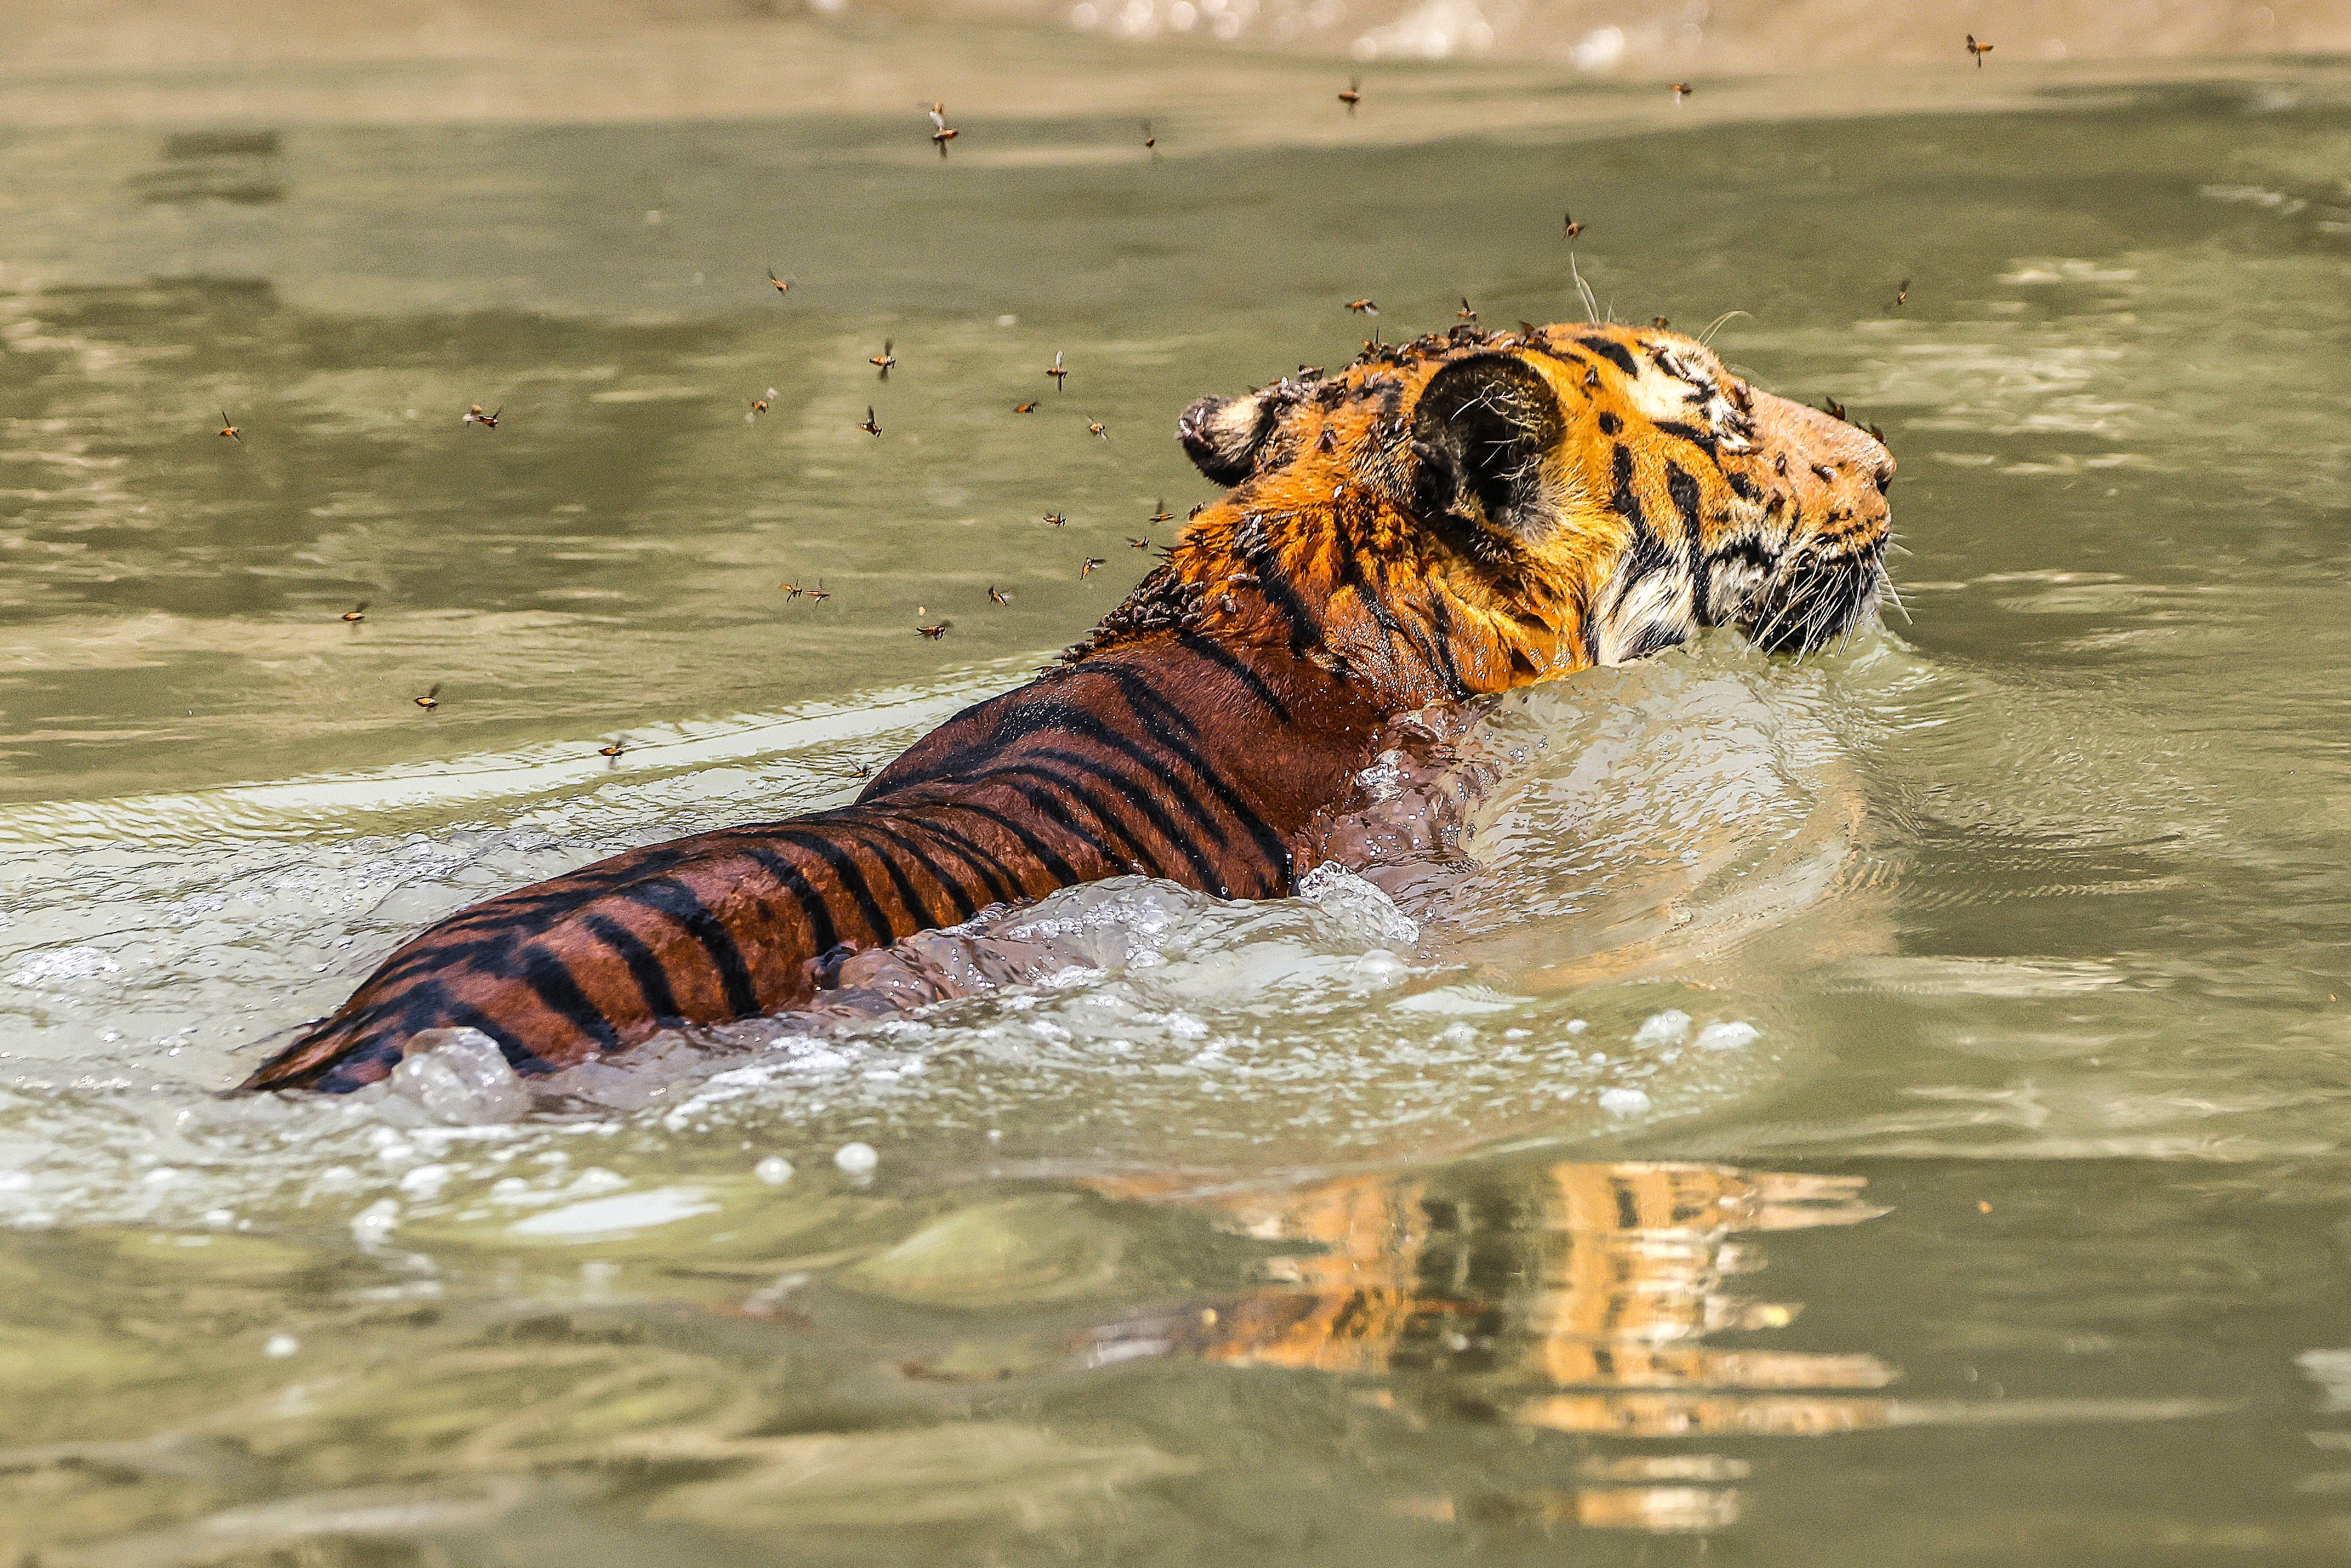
1439, 519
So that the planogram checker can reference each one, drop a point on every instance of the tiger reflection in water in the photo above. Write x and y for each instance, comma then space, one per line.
1573, 1297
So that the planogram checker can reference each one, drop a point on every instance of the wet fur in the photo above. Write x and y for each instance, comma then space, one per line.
1455, 516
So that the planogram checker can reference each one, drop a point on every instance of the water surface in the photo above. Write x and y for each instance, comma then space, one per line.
1980, 975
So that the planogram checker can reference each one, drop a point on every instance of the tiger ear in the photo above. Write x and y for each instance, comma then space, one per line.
1222, 434
1480, 432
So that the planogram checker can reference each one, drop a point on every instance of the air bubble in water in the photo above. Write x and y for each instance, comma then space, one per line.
1728, 1036
280, 1346
1668, 1027
774, 1170
857, 1159
1624, 1102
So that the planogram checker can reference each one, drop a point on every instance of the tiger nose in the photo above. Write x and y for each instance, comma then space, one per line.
1834, 450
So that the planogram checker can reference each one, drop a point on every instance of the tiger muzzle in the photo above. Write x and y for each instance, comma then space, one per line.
1829, 479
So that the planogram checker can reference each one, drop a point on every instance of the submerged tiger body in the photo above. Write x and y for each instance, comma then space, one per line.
1448, 517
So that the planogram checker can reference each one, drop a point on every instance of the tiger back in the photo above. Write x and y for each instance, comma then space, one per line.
1456, 515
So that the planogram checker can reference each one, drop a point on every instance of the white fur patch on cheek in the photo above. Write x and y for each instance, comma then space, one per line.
1658, 606
1732, 582
1733, 431
1659, 396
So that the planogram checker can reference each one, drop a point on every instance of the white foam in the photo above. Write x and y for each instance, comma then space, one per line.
605, 1217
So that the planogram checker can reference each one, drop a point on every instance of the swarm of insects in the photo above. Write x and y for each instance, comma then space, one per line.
1024, 408
486, 421
1830, 406
228, 429
1902, 294
1466, 312
1659, 322
863, 771
356, 612
1150, 142
935, 633
819, 593
1095, 427
1092, 561
941, 131
1056, 518
1977, 50
782, 284
759, 406
791, 590
430, 699
1572, 227
1353, 96
997, 597
871, 426
885, 359
1133, 543
615, 749
1160, 514
1681, 90
1363, 306
1061, 376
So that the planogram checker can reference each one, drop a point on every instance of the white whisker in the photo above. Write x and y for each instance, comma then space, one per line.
1707, 337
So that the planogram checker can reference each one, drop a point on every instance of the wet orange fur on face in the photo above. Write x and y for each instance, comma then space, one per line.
1676, 451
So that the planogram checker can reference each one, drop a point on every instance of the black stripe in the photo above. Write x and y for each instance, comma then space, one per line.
957, 895
1079, 788
427, 1005
1139, 797
814, 907
644, 966
1224, 659
669, 897
1686, 499
552, 979
853, 881
1654, 638
1055, 805
1691, 434
1128, 679
1151, 703
520, 1057
490, 951
1273, 582
1614, 353
1001, 883
339, 1074
1153, 768
1351, 575
1055, 866
553, 900
1443, 617
1648, 554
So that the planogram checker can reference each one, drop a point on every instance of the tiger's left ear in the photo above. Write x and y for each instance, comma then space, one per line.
1222, 434
1480, 432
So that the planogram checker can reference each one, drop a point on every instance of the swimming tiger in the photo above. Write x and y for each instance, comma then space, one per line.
1455, 515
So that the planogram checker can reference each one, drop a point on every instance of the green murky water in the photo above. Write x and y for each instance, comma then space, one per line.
1981, 978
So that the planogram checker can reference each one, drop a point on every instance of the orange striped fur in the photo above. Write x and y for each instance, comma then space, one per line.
1455, 516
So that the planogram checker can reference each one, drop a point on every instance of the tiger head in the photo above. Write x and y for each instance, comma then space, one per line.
1474, 511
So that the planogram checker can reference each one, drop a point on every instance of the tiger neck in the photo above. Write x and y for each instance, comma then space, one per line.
1353, 587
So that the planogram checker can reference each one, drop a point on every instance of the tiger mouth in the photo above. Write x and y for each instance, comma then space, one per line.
1815, 599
